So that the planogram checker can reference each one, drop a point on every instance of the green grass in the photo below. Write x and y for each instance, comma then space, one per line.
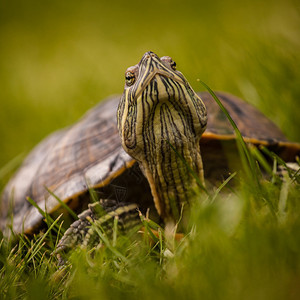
235, 248
60, 58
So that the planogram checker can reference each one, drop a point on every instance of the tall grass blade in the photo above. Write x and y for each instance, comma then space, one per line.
261, 159
107, 243
47, 217
278, 159
224, 183
247, 158
63, 204
39, 245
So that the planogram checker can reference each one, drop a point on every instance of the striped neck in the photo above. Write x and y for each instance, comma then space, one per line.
171, 155
160, 121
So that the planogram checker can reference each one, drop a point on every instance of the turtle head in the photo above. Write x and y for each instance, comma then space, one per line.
160, 121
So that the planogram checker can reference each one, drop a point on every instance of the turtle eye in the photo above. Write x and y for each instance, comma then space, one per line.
173, 64
129, 78
169, 62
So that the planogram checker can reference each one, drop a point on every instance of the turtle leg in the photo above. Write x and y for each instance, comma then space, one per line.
99, 215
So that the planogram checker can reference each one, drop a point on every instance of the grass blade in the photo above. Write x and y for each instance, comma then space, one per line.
247, 158
107, 242
224, 183
48, 219
63, 204
39, 245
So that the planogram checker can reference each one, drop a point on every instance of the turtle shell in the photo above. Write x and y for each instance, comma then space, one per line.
89, 155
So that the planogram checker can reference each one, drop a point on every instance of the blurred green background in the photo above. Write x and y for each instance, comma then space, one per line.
59, 58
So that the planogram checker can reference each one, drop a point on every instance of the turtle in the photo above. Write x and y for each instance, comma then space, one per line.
138, 152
